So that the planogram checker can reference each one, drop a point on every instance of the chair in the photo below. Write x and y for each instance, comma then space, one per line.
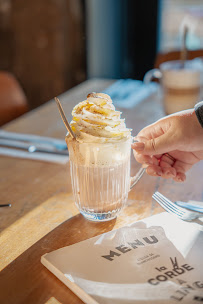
13, 102
175, 55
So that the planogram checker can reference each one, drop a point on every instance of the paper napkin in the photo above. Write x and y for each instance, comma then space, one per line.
128, 93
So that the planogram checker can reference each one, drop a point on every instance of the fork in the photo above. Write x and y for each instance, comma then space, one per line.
170, 207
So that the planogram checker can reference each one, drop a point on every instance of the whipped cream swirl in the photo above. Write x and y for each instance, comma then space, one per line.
96, 120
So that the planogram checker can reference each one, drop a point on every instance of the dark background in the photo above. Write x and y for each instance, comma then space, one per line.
141, 33
44, 43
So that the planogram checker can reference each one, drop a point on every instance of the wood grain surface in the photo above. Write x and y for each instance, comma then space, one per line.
43, 216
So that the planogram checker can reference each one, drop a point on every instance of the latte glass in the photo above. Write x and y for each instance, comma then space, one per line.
180, 84
100, 177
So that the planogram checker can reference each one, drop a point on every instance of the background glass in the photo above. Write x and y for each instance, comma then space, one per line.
180, 83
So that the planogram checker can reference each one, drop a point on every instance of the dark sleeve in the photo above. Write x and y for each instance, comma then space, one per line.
199, 112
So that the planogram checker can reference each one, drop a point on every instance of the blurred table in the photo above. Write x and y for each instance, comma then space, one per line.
43, 216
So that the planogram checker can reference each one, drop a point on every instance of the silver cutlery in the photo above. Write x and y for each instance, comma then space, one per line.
172, 208
32, 147
32, 138
35, 148
190, 206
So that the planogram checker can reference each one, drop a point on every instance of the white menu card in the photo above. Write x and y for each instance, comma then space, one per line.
156, 260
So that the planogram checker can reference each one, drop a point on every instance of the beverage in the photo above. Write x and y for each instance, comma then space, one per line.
180, 83
99, 158
100, 178
181, 86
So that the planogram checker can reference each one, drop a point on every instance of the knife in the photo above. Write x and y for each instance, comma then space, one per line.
190, 206
57, 143
32, 147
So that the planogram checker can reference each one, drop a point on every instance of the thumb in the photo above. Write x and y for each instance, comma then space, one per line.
158, 145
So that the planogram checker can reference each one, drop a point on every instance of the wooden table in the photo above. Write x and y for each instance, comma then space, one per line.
43, 216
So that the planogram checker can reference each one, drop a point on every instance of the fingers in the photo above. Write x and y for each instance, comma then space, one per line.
158, 138
165, 165
155, 167
161, 160
155, 130
145, 159
166, 173
181, 168
154, 170
180, 177
159, 145
167, 160
162, 165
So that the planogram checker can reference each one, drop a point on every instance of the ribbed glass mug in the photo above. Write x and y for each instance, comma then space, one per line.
100, 177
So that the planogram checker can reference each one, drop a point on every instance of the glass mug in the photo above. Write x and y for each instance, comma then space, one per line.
180, 84
100, 177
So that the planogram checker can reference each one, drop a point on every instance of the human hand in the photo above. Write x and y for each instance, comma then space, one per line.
180, 135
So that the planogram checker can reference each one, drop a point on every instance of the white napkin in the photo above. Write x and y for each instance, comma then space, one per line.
128, 93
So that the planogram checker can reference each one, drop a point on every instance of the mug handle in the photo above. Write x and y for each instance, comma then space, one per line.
152, 74
136, 178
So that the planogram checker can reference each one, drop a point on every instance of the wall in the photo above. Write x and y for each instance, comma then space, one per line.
42, 43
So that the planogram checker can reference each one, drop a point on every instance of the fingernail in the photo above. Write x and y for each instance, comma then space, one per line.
169, 173
139, 146
180, 179
145, 165
159, 173
154, 173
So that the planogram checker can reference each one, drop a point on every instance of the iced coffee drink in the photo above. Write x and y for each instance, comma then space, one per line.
180, 83
99, 158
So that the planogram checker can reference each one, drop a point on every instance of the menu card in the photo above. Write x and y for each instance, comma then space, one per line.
156, 260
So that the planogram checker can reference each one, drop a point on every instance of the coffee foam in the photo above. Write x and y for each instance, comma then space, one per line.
181, 79
98, 154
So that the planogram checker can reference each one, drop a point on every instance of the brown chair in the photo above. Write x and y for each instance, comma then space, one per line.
13, 102
175, 55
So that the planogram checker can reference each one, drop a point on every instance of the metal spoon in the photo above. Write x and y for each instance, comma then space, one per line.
184, 51
65, 121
